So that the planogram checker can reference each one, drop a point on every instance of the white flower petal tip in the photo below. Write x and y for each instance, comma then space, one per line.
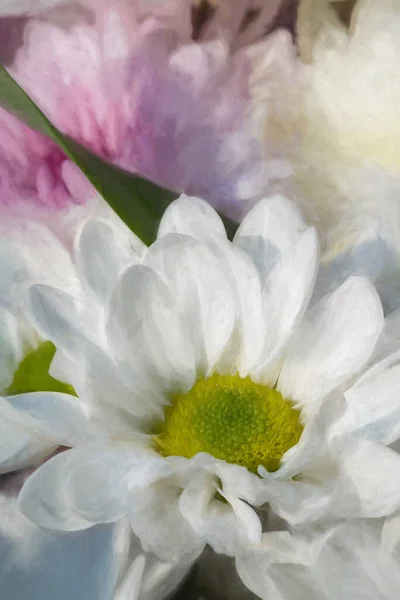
79, 488
35, 424
275, 220
62, 318
202, 285
20, 449
103, 250
191, 216
49, 417
54, 513
372, 408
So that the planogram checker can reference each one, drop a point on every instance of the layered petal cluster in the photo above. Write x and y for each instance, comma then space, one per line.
24, 355
105, 563
347, 164
149, 324
28, 255
133, 86
353, 561
35, 560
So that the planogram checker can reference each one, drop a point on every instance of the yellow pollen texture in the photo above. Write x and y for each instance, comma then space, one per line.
232, 418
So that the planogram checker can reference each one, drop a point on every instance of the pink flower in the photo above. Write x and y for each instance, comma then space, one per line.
137, 90
33, 167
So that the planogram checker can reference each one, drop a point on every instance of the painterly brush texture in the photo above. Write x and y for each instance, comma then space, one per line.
199, 300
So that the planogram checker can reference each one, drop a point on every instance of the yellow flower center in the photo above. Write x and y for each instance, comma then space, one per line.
232, 418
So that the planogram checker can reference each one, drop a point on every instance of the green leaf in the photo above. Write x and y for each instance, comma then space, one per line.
137, 201
33, 375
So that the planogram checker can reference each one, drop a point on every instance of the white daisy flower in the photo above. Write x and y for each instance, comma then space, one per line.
123, 571
207, 386
24, 353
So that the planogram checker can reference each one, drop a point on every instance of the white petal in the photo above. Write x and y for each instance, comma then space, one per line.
158, 522
33, 425
113, 399
202, 289
130, 587
14, 269
248, 522
102, 253
387, 349
268, 230
26, 262
311, 451
81, 487
391, 534
191, 216
212, 520
355, 558
19, 448
221, 525
237, 482
374, 471
62, 418
11, 348
141, 574
289, 288
373, 409
258, 566
366, 257
334, 341
142, 316
247, 341
63, 319
299, 501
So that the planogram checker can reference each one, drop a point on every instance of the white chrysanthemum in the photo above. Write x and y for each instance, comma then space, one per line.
123, 571
347, 165
25, 259
206, 387
356, 560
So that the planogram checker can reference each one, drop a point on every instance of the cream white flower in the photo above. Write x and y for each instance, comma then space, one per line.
208, 385
347, 164
356, 560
